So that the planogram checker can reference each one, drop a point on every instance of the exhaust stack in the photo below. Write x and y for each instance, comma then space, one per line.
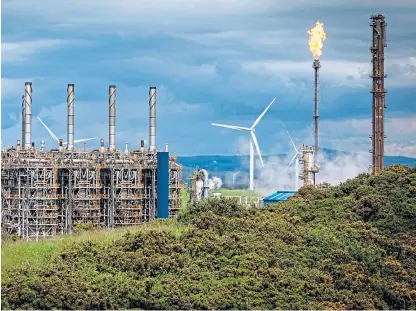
28, 115
70, 101
112, 117
152, 118
23, 121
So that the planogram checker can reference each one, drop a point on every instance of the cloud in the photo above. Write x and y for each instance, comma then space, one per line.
353, 135
20, 51
221, 61
168, 67
341, 73
12, 89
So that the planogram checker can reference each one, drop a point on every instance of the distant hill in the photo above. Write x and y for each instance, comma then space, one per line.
220, 165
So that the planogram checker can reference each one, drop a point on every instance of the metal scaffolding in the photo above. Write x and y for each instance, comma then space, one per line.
44, 194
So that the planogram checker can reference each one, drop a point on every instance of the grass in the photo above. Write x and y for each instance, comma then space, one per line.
35, 254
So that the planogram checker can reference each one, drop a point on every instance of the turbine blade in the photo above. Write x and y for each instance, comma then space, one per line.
49, 131
291, 161
81, 140
257, 147
233, 127
261, 116
293, 144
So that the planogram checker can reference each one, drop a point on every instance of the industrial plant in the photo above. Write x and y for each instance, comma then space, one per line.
45, 193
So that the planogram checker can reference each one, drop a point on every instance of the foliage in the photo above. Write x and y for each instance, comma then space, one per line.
350, 247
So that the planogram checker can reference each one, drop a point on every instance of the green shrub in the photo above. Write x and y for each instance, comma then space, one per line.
350, 247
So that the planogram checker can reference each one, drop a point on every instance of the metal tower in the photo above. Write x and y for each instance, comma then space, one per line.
379, 98
316, 66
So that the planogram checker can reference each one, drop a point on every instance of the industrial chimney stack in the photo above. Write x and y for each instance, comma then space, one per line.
379, 92
152, 119
28, 115
112, 117
70, 101
23, 121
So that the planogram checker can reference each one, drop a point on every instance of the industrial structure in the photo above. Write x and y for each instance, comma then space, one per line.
379, 92
199, 187
279, 196
309, 168
49, 193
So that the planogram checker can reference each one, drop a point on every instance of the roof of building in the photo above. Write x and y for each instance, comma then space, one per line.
280, 195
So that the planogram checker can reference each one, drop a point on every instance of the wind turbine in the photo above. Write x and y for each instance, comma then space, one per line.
56, 138
235, 174
296, 156
253, 140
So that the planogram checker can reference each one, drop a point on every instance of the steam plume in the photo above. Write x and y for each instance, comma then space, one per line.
317, 36
215, 182
333, 169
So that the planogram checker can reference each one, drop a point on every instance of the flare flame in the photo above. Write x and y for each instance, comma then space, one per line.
317, 37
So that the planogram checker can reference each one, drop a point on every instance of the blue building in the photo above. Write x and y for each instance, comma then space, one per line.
279, 196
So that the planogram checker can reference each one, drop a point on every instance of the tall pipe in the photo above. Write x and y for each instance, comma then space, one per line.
316, 66
112, 117
152, 118
23, 121
206, 187
70, 101
28, 115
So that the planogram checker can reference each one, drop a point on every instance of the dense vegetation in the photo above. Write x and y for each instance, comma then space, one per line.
351, 247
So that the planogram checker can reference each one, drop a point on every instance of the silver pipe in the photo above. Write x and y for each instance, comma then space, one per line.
118, 161
112, 117
28, 115
71, 104
152, 118
23, 121
206, 187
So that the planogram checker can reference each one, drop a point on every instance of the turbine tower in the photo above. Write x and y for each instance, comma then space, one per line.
57, 139
296, 156
253, 140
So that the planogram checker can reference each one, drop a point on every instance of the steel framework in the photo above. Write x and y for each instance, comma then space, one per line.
44, 194
379, 93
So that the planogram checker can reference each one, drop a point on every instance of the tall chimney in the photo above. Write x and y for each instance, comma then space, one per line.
28, 115
316, 65
152, 118
70, 101
112, 117
23, 121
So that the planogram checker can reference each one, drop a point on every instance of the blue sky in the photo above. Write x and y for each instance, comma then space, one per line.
211, 61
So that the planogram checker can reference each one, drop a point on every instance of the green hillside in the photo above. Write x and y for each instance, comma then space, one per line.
351, 247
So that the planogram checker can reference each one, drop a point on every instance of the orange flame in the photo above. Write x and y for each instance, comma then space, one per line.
317, 37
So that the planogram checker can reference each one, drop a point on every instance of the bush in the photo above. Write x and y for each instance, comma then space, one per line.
350, 247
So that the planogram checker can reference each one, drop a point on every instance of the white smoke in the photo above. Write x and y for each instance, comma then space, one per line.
275, 175
214, 183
